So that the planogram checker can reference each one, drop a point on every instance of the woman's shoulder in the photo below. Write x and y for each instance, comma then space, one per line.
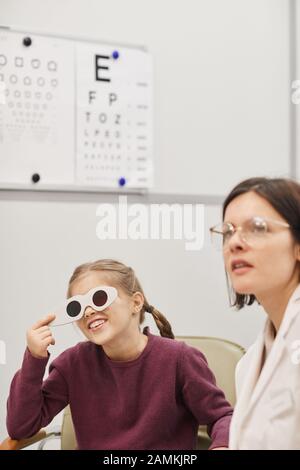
242, 367
250, 352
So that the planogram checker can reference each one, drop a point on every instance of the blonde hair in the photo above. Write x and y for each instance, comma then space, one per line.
124, 277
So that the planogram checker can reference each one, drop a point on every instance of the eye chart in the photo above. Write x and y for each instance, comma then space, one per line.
74, 114
36, 109
113, 116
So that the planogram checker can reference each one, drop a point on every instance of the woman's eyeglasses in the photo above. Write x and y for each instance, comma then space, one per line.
250, 231
98, 298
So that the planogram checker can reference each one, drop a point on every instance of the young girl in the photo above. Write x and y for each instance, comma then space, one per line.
127, 389
260, 235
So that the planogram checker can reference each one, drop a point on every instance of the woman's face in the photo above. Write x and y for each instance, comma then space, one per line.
269, 262
108, 326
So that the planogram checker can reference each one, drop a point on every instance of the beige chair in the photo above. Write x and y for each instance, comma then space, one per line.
65, 433
222, 357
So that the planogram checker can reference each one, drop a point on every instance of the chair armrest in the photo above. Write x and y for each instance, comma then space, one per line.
53, 433
13, 444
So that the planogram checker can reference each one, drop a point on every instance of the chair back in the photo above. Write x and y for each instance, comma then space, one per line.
222, 357
68, 439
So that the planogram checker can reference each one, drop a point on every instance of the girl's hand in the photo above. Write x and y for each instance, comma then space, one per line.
39, 337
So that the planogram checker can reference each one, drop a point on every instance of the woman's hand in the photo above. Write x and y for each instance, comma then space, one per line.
39, 337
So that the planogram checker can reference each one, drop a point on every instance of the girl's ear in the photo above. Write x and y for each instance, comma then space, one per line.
138, 302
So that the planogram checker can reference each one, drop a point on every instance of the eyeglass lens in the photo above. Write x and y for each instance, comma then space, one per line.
100, 298
73, 308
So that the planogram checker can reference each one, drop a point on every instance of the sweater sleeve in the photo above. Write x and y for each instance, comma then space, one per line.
203, 398
32, 403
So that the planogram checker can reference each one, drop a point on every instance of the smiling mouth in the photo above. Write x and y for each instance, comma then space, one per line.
96, 325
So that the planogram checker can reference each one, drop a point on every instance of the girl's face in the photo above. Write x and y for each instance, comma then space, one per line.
113, 324
271, 261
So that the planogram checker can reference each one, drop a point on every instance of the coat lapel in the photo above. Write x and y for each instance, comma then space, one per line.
275, 355
252, 374
268, 369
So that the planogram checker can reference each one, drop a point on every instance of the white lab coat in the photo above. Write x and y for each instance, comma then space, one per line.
267, 412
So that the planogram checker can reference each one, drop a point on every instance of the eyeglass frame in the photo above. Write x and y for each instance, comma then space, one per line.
85, 300
240, 227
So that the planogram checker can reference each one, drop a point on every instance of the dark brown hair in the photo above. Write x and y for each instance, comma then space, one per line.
124, 277
284, 195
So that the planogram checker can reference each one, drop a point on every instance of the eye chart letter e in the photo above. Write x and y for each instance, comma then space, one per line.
114, 116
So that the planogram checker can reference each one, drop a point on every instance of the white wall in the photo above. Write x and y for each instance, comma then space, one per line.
224, 44
221, 79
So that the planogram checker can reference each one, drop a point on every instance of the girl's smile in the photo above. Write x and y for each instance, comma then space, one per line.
96, 323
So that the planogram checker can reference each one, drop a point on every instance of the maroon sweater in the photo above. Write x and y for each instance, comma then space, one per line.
153, 402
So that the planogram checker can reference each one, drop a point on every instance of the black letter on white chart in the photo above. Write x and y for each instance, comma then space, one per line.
99, 67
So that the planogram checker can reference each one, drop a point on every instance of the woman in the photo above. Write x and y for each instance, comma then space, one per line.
260, 236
